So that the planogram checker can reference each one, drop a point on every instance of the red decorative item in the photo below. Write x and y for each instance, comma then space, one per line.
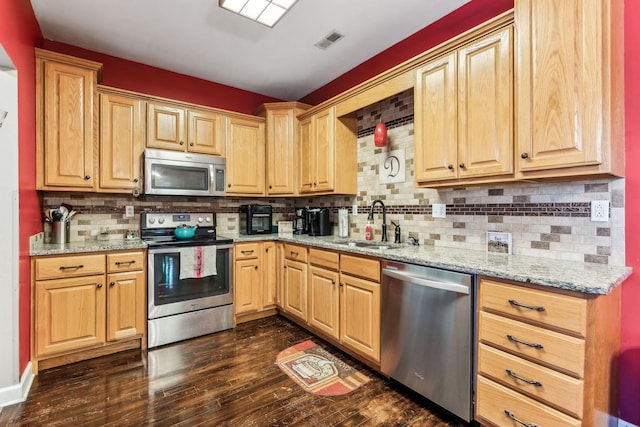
380, 135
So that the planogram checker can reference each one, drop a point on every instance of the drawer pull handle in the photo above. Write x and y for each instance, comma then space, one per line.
514, 339
125, 262
294, 253
71, 267
513, 417
247, 252
530, 307
518, 377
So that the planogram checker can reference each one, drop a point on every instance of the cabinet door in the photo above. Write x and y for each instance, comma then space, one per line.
245, 157
436, 121
324, 150
126, 304
70, 314
360, 316
69, 133
281, 152
248, 284
307, 155
206, 132
560, 83
121, 141
485, 93
165, 127
295, 289
270, 275
324, 300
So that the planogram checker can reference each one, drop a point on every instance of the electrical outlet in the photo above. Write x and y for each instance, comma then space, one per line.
129, 212
439, 210
354, 210
600, 210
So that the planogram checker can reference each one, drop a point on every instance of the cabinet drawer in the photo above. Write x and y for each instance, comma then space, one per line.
492, 400
326, 259
295, 252
546, 308
246, 250
553, 388
553, 349
69, 266
366, 268
129, 261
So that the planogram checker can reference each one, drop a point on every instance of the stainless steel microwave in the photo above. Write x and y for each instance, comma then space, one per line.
173, 173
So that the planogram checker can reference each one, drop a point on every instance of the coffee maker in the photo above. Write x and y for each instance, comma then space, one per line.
319, 224
301, 221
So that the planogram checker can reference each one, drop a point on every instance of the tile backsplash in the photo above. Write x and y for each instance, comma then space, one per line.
549, 220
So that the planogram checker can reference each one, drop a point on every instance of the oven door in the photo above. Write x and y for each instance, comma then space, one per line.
168, 294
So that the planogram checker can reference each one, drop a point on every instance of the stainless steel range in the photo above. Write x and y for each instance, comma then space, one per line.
190, 289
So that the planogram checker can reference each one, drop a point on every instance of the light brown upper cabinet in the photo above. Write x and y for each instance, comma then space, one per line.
122, 125
328, 153
174, 127
570, 91
66, 132
281, 146
464, 113
245, 156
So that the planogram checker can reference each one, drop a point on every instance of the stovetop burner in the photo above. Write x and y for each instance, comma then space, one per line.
157, 229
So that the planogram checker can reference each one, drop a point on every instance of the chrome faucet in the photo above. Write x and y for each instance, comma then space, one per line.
384, 218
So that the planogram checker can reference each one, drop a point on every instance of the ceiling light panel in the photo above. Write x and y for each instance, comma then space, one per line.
266, 12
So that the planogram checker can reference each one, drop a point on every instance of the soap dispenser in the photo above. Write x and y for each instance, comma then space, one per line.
368, 232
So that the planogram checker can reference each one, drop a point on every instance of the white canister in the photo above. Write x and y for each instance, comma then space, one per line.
343, 222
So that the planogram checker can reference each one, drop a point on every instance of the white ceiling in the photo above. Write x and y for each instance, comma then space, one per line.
198, 38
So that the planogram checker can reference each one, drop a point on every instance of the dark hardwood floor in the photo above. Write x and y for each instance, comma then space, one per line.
224, 379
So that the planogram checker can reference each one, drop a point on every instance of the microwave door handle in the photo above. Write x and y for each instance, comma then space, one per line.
212, 179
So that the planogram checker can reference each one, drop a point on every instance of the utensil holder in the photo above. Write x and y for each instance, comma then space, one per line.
60, 231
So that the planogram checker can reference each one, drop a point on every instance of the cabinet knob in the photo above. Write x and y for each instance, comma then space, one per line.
112, 284
181, 142
87, 177
314, 184
341, 284
135, 179
191, 144
266, 249
255, 266
270, 187
229, 185
461, 165
99, 285
450, 167
524, 155
333, 282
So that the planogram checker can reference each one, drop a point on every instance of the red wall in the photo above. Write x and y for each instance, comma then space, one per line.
124, 74
19, 33
630, 335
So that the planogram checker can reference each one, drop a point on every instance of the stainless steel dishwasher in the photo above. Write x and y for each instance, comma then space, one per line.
427, 333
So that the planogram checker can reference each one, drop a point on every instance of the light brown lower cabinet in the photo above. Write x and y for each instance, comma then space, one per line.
336, 295
254, 280
545, 357
84, 306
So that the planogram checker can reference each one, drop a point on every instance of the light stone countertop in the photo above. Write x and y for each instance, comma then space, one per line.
87, 246
570, 275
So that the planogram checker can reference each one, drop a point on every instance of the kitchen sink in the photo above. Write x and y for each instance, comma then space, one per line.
383, 246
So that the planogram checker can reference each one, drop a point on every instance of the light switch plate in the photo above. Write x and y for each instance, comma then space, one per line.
600, 210
439, 210
129, 212
354, 210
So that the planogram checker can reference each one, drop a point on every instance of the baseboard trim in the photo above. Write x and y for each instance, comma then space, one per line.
18, 392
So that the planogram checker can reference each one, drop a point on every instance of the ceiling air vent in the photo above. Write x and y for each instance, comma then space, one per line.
329, 39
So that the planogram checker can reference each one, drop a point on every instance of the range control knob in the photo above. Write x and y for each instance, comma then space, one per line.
151, 220
200, 219
160, 220
208, 219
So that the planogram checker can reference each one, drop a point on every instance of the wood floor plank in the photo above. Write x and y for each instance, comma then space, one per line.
225, 379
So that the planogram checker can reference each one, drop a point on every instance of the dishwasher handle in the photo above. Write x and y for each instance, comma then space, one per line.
446, 286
